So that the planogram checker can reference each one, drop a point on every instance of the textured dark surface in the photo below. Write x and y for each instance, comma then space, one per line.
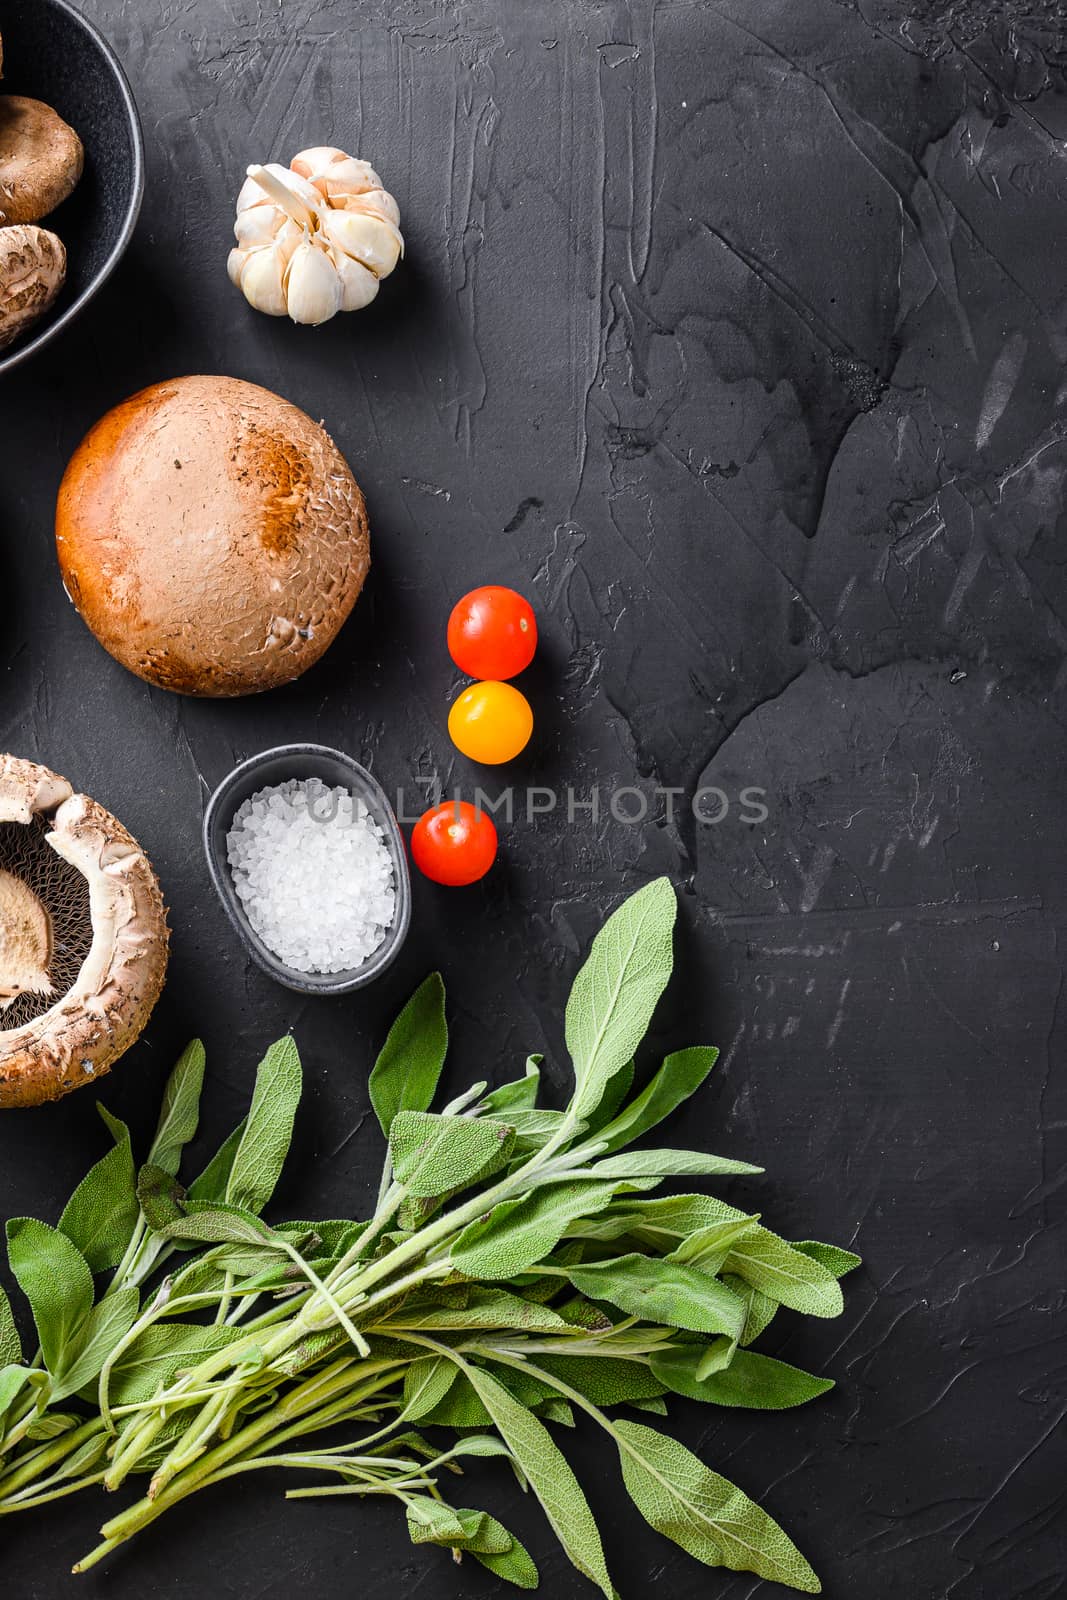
733, 334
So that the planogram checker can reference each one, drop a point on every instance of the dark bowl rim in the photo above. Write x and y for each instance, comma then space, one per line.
133, 210
310, 984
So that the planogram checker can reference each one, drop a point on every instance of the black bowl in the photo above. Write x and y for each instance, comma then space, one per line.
53, 54
334, 767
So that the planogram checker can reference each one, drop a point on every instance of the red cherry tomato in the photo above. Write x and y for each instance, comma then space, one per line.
492, 633
454, 843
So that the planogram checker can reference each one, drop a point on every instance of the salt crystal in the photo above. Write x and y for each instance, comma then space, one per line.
312, 871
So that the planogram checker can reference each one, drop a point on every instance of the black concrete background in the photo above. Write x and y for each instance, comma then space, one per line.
733, 335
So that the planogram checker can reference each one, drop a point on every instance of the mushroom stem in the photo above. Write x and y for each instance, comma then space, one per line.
25, 941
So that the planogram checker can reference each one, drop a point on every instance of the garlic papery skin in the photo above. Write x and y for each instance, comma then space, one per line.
314, 238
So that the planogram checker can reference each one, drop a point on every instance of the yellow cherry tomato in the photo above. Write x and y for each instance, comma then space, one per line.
490, 722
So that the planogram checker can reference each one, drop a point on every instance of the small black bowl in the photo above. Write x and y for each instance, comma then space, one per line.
52, 53
276, 766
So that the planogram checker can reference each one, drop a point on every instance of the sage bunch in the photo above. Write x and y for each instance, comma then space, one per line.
517, 1275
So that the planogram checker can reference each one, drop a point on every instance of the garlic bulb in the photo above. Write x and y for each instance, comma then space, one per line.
315, 237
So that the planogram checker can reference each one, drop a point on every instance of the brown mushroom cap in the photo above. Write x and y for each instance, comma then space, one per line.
212, 536
68, 1033
33, 265
41, 159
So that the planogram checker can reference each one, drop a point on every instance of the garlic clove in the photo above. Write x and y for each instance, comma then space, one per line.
368, 239
255, 193
235, 262
287, 239
333, 172
358, 284
262, 280
258, 225
312, 286
377, 202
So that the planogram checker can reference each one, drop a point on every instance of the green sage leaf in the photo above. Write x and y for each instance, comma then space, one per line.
681, 1075
483, 1308
515, 1565
550, 1477
101, 1214
616, 991
605, 1380
433, 1155
180, 1112
207, 1223
518, 1233
260, 1156
10, 1343
668, 1164
161, 1353
830, 1256
55, 1278
214, 1181
520, 1094
787, 1275
760, 1309
617, 1088
664, 1292
756, 1382
708, 1247
703, 1513
94, 1340
405, 1075
426, 1382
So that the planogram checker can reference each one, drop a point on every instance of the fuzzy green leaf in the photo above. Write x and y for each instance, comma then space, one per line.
483, 1308
660, 1223
787, 1275
459, 1408
518, 1233
160, 1353
207, 1223
550, 1477
94, 1341
257, 1165
180, 1112
514, 1565
617, 1088
830, 1256
101, 1214
404, 1077
605, 1380
521, 1093
10, 1343
426, 1382
433, 1155
668, 1164
14, 1379
753, 1381
703, 1513
55, 1278
707, 1248
664, 1292
214, 1181
681, 1075
616, 991
160, 1197
760, 1309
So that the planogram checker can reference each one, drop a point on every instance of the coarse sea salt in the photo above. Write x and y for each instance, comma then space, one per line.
312, 871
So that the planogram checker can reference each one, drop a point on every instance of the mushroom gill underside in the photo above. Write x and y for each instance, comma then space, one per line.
45, 923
